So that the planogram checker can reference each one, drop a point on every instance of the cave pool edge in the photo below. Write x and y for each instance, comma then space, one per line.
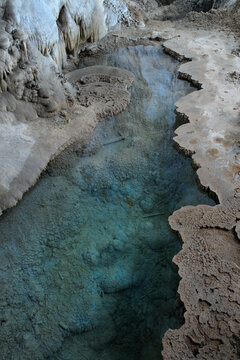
89, 247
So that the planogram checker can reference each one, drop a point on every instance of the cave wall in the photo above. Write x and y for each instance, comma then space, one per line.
179, 8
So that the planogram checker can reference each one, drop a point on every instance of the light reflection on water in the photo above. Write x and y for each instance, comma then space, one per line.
86, 272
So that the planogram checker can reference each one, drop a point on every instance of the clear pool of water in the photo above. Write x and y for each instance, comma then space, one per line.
86, 257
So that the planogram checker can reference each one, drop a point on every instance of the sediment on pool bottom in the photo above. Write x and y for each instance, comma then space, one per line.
87, 255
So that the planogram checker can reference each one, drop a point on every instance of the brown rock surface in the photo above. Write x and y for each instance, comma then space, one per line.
209, 261
102, 88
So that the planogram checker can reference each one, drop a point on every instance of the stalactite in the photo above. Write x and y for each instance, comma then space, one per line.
54, 30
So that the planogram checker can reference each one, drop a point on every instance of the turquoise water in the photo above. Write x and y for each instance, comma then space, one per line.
85, 268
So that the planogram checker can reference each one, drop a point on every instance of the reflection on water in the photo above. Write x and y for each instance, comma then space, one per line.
86, 258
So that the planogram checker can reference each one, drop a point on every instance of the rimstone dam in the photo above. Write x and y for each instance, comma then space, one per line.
119, 179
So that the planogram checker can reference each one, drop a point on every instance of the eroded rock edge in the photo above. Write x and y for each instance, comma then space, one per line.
209, 260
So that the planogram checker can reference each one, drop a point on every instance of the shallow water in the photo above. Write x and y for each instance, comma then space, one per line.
85, 269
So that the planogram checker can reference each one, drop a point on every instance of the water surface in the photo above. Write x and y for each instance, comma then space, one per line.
85, 268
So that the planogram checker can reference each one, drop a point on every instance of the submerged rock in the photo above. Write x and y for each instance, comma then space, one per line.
83, 280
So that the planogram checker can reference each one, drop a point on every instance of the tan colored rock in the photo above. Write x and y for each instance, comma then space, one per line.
209, 261
103, 88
